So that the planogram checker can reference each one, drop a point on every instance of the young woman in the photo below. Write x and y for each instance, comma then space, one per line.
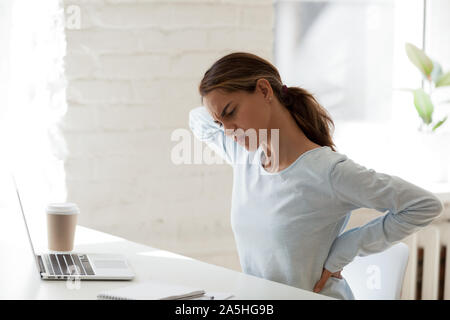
293, 193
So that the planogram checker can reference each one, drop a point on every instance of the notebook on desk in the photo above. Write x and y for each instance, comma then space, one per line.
156, 290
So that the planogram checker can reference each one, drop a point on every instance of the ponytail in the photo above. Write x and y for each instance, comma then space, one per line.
309, 115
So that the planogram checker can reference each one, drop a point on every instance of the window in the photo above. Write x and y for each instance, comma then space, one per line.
344, 52
32, 97
351, 56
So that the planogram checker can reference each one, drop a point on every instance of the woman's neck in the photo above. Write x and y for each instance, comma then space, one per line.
282, 149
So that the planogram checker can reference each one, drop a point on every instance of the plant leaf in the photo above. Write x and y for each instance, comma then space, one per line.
437, 125
444, 80
419, 59
423, 104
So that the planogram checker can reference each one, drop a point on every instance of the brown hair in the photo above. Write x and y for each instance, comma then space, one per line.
240, 71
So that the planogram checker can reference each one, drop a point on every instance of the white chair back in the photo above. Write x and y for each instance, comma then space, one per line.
378, 276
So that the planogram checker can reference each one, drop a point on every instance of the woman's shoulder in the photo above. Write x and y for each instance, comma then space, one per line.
325, 157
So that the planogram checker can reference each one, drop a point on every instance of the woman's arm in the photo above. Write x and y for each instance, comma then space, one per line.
409, 209
205, 129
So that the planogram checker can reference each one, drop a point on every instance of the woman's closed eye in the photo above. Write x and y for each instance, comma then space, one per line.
229, 115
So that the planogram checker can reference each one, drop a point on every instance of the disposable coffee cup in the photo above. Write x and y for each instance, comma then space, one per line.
61, 224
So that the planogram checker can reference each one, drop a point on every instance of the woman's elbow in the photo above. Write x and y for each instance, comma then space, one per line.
436, 206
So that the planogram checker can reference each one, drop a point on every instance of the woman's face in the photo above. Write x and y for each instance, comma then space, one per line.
241, 114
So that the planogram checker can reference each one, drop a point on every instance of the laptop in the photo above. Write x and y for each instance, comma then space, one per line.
72, 265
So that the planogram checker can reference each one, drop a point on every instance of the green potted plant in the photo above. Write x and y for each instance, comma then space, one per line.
432, 72
422, 156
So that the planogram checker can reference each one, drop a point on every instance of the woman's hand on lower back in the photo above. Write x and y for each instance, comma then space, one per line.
326, 274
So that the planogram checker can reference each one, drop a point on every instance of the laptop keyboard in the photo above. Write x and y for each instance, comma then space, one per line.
68, 264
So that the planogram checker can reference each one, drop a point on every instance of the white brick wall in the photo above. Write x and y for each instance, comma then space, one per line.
133, 70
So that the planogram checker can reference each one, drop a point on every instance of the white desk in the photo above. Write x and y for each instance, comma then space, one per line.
20, 280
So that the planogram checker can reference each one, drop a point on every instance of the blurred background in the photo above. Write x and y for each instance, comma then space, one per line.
91, 92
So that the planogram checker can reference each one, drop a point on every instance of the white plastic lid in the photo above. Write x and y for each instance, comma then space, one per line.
63, 208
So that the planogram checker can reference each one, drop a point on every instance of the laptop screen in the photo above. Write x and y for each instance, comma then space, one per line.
25, 220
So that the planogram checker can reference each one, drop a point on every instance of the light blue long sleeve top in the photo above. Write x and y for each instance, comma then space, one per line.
289, 225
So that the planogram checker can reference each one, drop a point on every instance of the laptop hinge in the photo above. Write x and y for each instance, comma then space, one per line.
41, 264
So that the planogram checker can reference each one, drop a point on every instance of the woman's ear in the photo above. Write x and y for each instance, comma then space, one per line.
266, 89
